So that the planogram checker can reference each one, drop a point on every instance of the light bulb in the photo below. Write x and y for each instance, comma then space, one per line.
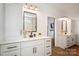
36, 8
31, 7
26, 6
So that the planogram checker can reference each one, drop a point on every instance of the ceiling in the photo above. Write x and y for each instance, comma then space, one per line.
64, 9
67, 9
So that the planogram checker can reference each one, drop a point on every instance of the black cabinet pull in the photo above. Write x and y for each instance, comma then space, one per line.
11, 47
33, 50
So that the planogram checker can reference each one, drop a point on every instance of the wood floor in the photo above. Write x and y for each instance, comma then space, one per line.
71, 51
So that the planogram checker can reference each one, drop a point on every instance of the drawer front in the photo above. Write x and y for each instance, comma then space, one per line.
10, 47
31, 43
48, 47
12, 53
48, 42
48, 51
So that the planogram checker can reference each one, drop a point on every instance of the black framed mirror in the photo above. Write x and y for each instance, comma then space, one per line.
29, 21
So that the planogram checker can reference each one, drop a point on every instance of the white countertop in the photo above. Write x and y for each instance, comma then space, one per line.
23, 39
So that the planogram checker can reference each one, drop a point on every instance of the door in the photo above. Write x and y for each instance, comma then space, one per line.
51, 27
27, 51
39, 50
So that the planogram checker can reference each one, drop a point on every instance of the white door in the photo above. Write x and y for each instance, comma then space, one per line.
39, 50
27, 51
13, 21
69, 26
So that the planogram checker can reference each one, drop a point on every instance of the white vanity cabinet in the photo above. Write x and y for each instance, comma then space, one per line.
13, 21
66, 41
32, 48
12, 49
26, 47
70, 41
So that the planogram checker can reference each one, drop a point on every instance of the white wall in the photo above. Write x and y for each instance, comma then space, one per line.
13, 21
1, 21
53, 10
7, 25
58, 10
71, 11
44, 11
76, 30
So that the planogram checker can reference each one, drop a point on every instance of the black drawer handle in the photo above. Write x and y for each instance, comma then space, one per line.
11, 47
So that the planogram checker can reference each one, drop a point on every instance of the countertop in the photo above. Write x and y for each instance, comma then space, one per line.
23, 39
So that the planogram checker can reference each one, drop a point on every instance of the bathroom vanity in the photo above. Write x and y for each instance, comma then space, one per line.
38, 46
16, 41
64, 35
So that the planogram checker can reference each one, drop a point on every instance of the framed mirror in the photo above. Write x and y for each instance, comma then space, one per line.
29, 21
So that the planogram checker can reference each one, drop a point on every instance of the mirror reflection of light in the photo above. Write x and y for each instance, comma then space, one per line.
64, 18
27, 21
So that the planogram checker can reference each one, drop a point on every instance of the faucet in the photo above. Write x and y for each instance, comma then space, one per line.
31, 35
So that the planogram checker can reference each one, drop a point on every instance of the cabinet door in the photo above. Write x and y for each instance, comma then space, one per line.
69, 26
39, 50
27, 51
13, 21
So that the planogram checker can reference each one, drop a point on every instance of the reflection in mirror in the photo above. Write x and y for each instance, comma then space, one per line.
29, 22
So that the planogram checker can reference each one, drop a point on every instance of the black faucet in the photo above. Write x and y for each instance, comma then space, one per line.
31, 35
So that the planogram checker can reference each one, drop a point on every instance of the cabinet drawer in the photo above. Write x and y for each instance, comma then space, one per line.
47, 44
31, 43
10, 47
12, 53
48, 51
48, 40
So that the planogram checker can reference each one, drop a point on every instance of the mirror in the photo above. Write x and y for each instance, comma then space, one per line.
66, 26
29, 22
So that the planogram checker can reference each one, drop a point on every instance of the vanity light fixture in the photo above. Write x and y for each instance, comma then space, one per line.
30, 7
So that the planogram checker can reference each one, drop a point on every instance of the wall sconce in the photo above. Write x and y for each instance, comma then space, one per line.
30, 7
